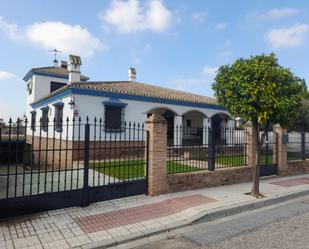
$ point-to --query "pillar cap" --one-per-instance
(156, 118)
(248, 124)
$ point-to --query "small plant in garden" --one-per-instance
(261, 91)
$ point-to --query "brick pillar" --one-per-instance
(250, 137)
(281, 150)
(157, 179)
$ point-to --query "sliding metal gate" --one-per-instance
(71, 163)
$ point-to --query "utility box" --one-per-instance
(285, 138)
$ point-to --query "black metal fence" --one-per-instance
(268, 158)
(297, 146)
(80, 163)
(204, 148)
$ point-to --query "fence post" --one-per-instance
(251, 145)
(85, 201)
(211, 150)
(303, 145)
(157, 157)
(282, 163)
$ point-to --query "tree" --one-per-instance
(261, 91)
(301, 121)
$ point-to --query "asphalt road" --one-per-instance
(281, 226)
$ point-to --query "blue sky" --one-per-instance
(177, 44)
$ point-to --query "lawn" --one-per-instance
(131, 169)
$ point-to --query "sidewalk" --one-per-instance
(110, 223)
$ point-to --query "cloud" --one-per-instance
(208, 74)
(221, 26)
(199, 16)
(288, 37)
(278, 13)
(225, 53)
(210, 71)
(184, 84)
(130, 16)
(10, 29)
(64, 37)
(6, 75)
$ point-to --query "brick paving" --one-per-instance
(291, 182)
(94, 223)
(117, 220)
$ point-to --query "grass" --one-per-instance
(131, 169)
(294, 156)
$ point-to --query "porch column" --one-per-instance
(230, 132)
(230, 123)
(178, 130)
(206, 127)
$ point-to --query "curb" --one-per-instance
(201, 218)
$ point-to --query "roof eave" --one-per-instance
(31, 73)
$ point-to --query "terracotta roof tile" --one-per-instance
(57, 71)
(136, 89)
(147, 90)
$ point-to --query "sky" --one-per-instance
(172, 43)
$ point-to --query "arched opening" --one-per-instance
(193, 122)
(169, 116)
(218, 122)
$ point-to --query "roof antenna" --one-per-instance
(55, 51)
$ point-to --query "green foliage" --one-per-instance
(301, 121)
(259, 89)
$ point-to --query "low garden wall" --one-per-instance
(203, 179)
(297, 167)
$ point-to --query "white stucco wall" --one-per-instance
(92, 107)
(136, 111)
(67, 113)
(40, 89)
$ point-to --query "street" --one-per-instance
(281, 226)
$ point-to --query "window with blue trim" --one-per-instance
(44, 120)
(114, 115)
(33, 120)
(58, 116)
(113, 118)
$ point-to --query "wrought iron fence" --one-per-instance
(73, 161)
(189, 150)
(230, 148)
(203, 148)
(297, 146)
(268, 157)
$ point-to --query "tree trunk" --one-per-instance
(256, 170)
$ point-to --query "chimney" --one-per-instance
(64, 64)
(132, 74)
(55, 62)
(74, 68)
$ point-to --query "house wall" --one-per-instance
(41, 88)
(135, 111)
(67, 113)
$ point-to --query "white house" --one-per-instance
(61, 91)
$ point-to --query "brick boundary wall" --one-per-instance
(203, 179)
(48, 153)
(159, 182)
(63, 156)
(297, 167)
(109, 150)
